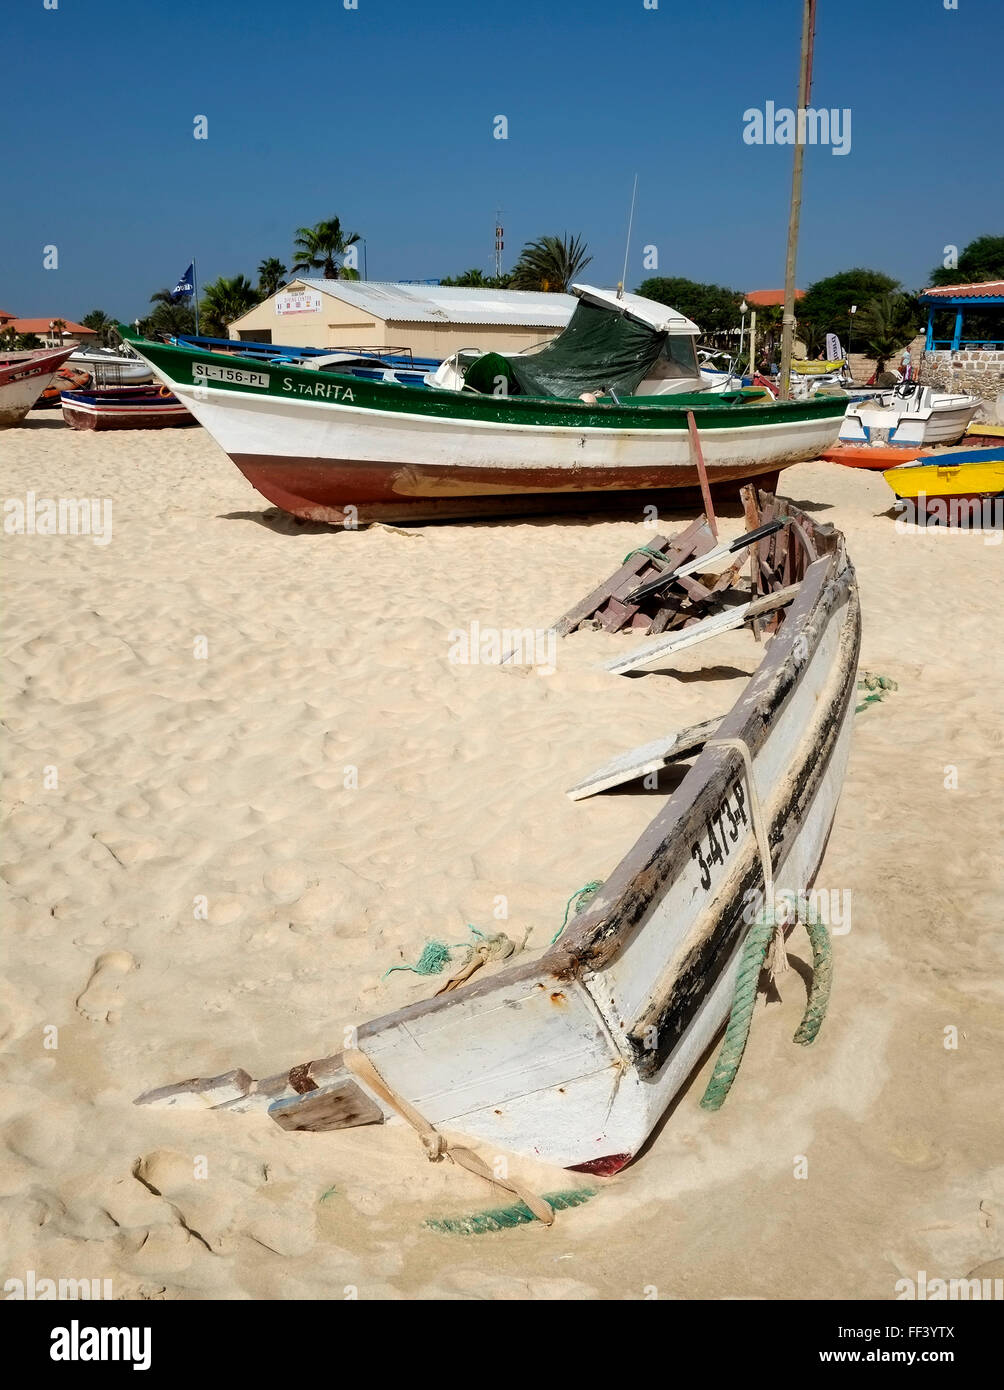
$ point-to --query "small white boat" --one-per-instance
(23, 378)
(110, 368)
(910, 415)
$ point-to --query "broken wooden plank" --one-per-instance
(605, 606)
(646, 758)
(690, 636)
(702, 473)
(688, 567)
(751, 513)
(631, 567)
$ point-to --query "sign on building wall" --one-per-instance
(298, 302)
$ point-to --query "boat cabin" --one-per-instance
(614, 343)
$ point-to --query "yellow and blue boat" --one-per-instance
(965, 474)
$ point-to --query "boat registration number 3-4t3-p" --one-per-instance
(712, 854)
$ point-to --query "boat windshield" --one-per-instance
(677, 359)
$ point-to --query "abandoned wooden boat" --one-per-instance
(574, 1056)
(23, 378)
(908, 416)
(124, 408)
(331, 447)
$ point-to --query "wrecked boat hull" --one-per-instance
(574, 1057)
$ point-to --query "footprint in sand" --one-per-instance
(101, 1001)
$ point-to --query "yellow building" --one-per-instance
(430, 320)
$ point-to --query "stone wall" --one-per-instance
(972, 371)
(862, 365)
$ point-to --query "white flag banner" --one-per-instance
(833, 353)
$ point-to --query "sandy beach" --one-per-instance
(244, 778)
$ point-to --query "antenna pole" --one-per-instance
(804, 90)
(627, 244)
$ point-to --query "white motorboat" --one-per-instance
(909, 415)
(109, 367)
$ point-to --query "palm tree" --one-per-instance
(550, 263)
(888, 323)
(102, 326)
(168, 317)
(225, 300)
(270, 276)
(316, 247)
(471, 279)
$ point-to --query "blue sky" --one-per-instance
(383, 115)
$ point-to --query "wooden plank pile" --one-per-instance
(777, 562)
(683, 601)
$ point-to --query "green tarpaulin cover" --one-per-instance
(599, 349)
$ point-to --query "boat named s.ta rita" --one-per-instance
(528, 432)
(573, 1056)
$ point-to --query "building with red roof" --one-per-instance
(767, 299)
(42, 327)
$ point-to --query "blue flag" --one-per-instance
(185, 286)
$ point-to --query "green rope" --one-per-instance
(744, 999)
(822, 979)
(879, 686)
(505, 1218)
(582, 897)
(656, 555)
(436, 955)
(743, 1002)
(434, 958)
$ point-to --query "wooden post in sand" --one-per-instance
(702, 472)
(804, 91)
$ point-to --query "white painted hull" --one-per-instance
(17, 397)
(316, 458)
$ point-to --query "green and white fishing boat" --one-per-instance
(585, 418)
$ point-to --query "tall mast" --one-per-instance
(627, 243)
(804, 89)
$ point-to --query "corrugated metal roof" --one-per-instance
(449, 303)
(988, 289)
